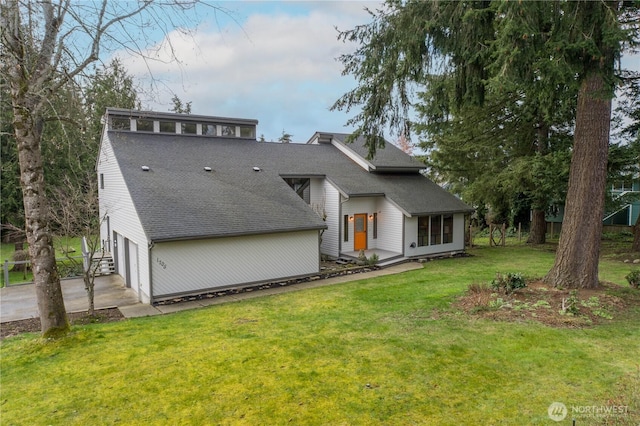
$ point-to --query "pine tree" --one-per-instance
(533, 45)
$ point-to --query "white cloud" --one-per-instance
(279, 67)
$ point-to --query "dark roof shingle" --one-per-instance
(178, 199)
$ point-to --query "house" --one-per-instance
(194, 203)
(627, 191)
(626, 195)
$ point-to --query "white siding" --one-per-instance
(411, 236)
(116, 202)
(390, 226)
(194, 266)
(390, 221)
(357, 205)
(324, 195)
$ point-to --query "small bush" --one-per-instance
(634, 278)
(570, 304)
(479, 288)
(499, 303)
(508, 283)
(373, 259)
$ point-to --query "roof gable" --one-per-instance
(389, 159)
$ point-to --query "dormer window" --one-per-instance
(167, 127)
(228, 130)
(182, 124)
(189, 128)
(144, 125)
(118, 123)
(248, 132)
(209, 129)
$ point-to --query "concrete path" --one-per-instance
(19, 302)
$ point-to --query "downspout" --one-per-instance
(149, 254)
(404, 234)
(340, 230)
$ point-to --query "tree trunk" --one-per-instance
(89, 286)
(576, 264)
(636, 236)
(53, 316)
(538, 231)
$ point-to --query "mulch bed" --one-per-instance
(32, 325)
(541, 303)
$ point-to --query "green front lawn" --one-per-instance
(388, 350)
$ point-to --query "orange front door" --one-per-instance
(360, 232)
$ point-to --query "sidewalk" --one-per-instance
(19, 302)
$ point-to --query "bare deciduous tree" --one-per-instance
(45, 44)
(75, 211)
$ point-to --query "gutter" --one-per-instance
(235, 234)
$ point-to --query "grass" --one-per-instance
(20, 277)
(388, 350)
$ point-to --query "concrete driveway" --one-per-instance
(19, 302)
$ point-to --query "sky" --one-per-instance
(271, 61)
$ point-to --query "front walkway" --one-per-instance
(19, 302)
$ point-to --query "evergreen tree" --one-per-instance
(541, 48)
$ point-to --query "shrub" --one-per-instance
(570, 304)
(479, 288)
(373, 259)
(634, 278)
(508, 283)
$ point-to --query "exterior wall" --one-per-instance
(183, 267)
(390, 226)
(390, 221)
(411, 236)
(116, 203)
(324, 195)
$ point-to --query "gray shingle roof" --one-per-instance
(389, 157)
(178, 199)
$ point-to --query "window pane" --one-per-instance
(189, 128)
(144, 125)
(209, 129)
(346, 227)
(247, 132)
(167, 127)
(423, 230)
(120, 124)
(375, 225)
(228, 130)
(447, 229)
(436, 230)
